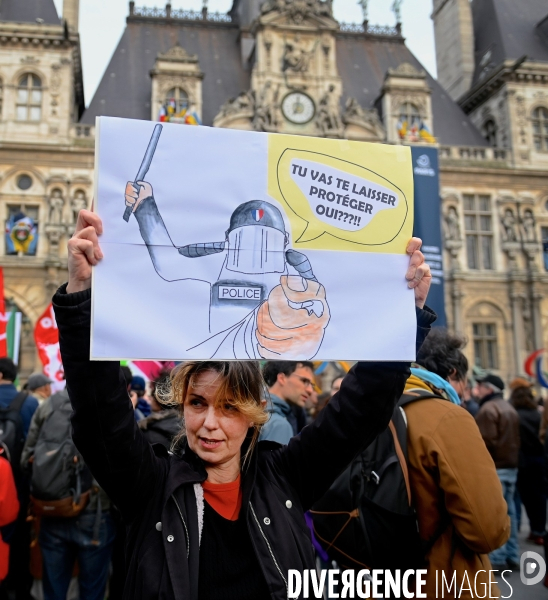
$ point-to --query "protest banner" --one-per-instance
(46, 336)
(230, 244)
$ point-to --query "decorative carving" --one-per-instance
(528, 224)
(178, 54)
(78, 203)
(509, 224)
(267, 41)
(452, 225)
(407, 70)
(419, 101)
(299, 10)
(243, 103)
(56, 204)
(264, 118)
(296, 57)
(355, 114)
(328, 119)
(54, 233)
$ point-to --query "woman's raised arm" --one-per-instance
(104, 427)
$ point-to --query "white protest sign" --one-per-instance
(219, 244)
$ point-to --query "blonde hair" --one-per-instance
(242, 387)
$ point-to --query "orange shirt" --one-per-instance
(224, 498)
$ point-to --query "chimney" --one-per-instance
(71, 13)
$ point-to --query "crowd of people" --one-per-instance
(217, 478)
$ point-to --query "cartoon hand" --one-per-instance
(136, 193)
(291, 323)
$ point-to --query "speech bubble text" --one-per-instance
(340, 199)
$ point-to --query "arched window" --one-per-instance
(176, 99)
(29, 98)
(540, 129)
(409, 114)
(490, 132)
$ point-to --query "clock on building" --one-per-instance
(298, 107)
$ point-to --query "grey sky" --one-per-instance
(102, 23)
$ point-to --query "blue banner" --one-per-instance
(428, 222)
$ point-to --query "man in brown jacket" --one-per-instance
(455, 489)
(498, 422)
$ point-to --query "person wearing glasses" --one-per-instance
(290, 385)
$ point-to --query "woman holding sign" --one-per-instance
(221, 517)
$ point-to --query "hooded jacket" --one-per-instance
(456, 493)
(277, 428)
(156, 492)
(161, 427)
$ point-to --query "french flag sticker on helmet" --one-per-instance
(258, 214)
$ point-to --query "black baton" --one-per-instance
(145, 165)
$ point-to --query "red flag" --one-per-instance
(46, 336)
(3, 318)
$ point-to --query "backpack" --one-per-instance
(12, 439)
(60, 483)
(367, 519)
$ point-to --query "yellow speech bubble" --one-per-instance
(329, 194)
(337, 203)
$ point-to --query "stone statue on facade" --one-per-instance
(529, 226)
(353, 111)
(242, 103)
(328, 120)
(265, 109)
(396, 9)
(78, 203)
(56, 204)
(296, 57)
(452, 225)
(365, 8)
(509, 224)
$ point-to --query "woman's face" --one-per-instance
(214, 434)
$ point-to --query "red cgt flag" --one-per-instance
(46, 336)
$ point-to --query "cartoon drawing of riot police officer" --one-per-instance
(266, 302)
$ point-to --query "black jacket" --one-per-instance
(531, 449)
(154, 490)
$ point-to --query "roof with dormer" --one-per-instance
(29, 11)
(508, 30)
(125, 89)
(363, 61)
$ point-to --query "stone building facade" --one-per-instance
(46, 161)
(289, 66)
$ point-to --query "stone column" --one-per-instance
(517, 328)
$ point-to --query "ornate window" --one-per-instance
(29, 98)
(409, 114)
(177, 99)
(540, 129)
(479, 231)
(490, 132)
(485, 345)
